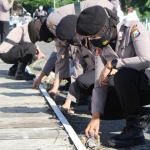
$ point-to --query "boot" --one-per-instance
(21, 74)
(12, 70)
(145, 118)
(131, 135)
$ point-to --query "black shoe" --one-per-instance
(145, 118)
(131, 135)
(12, 70)
(24, 76)
(21, 74)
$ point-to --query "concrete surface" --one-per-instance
(81, 118)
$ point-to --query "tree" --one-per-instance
(142, 6)
(31, 5)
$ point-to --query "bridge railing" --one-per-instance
(146, 22)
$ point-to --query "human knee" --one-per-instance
(32, 47)
(79, 82)
(122, 76)
(27, 58)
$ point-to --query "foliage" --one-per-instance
(142, 6)
(31, 5)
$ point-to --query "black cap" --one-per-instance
(38, 31)
(66, 27)
(91, 20)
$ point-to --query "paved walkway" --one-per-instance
(26, 121)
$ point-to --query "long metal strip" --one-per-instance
(72, 134)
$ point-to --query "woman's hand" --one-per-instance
(93, 126)
(103, 79)
(36, 83)
(52, 92)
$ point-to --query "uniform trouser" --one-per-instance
(85, 82)
(80, 86)
(4, 30)
(133, 90)
(130, 93)
(24, 53)
(113, 109)
(68, 79)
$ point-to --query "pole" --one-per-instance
(54, 4)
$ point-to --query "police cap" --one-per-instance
(91, 20)
(66, 27)
(38, 31)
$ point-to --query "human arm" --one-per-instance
(93, 126)
(62, 63)
(98, 98)
(50, 64)
(38, 80)
(115, 3)
(6, 45)
(7, 5)
(39, 54)
(56, 84)
(139, 47)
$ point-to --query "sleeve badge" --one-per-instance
(52, 26)
(134, 31)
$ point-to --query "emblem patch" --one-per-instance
(135, 32)
(98, 50)
(75, 44)
(49, 39)
(52, 26)
(105, 42)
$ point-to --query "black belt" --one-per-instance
(10, 41)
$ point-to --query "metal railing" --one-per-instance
(146, 22)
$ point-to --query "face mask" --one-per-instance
(102, 42)
(76, 41)
(41, 8)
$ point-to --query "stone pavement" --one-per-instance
(26, 121)
(81, 117)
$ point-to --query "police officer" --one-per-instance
(63, 27)
(5, 6)
(67, 37)
(124, 47)
(40, 13)
(84, 65)
(20, 52)
(84, 68)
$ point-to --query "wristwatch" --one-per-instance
(114, 63)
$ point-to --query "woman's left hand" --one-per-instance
(103, 79)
